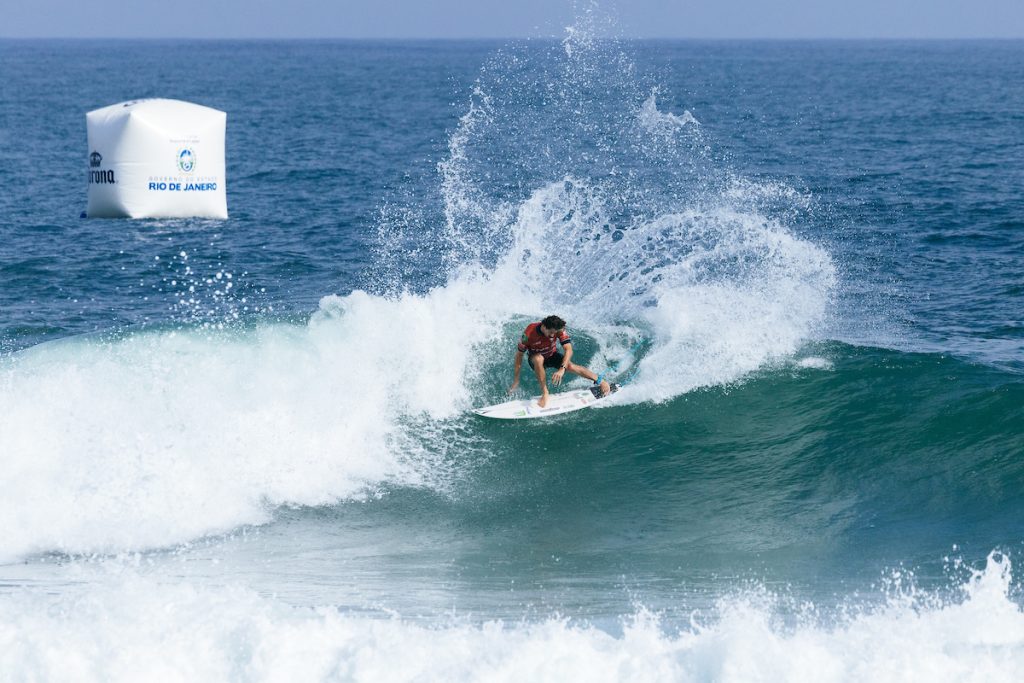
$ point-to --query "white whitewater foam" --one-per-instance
(130, 627)
(166, 436)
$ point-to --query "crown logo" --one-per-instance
(95, 159)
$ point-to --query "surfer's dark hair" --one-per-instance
(553, 322)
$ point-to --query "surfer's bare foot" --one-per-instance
(543, 401)
(605, 388)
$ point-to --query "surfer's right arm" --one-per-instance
(515, 372)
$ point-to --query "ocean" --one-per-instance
(244, 450)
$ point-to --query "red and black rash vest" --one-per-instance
(535, 341)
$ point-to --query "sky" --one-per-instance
(509, 18)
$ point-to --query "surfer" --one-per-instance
(539, 341)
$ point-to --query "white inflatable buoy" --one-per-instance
(156, 159)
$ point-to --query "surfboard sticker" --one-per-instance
(564, 402)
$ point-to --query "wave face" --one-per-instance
(163, 437)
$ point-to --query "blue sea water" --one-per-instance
(243, 449)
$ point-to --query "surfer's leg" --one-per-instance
(589, 374)
(537, 361)
(581, 371)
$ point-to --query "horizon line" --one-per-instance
(528, 38)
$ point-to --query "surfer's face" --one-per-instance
(548, 332)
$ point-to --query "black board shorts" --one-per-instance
(552, 361)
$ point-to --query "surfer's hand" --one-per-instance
(556, 378)
(515, 385)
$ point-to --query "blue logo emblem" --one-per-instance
(186, 160)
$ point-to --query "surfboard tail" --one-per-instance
(596, 390)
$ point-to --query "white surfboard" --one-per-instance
(564, 402)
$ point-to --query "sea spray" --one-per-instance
(568, 190)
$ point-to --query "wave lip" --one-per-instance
(166, 436)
